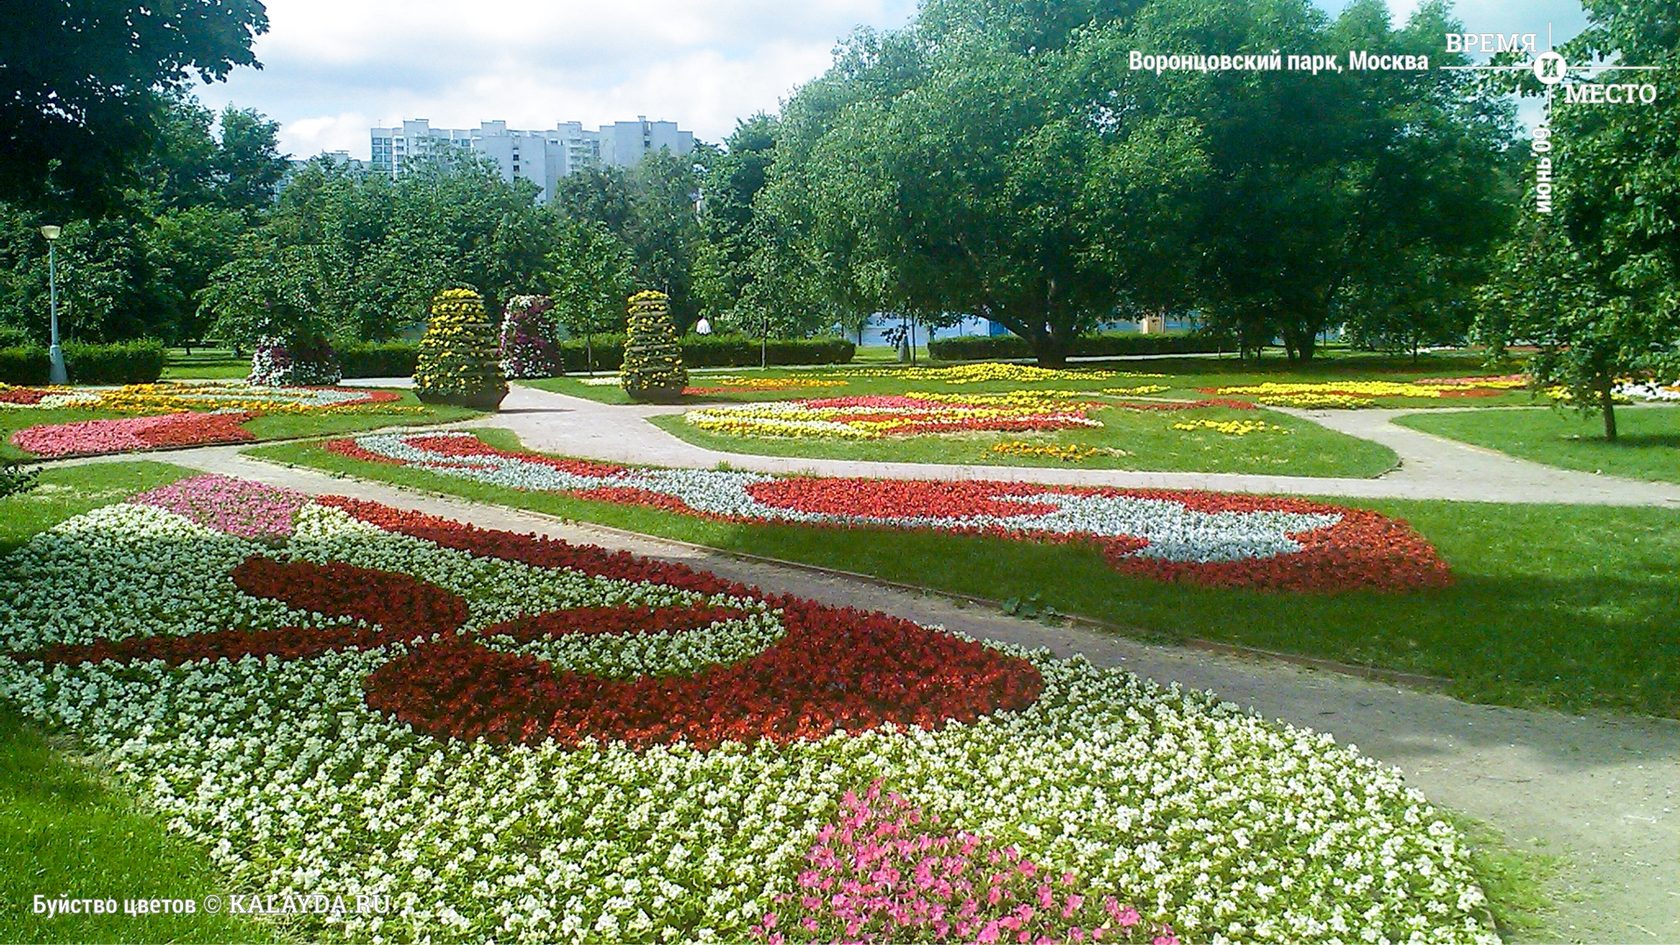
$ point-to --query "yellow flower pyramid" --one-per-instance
(458, 362)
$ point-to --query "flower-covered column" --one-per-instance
(653, 368)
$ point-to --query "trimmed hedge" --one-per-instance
(1105, 345)
(379, 358)
(716, 351)
(126, 362)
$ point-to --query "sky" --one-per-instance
(334, 68)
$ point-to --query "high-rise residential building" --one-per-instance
(625, 143)
(542, 157)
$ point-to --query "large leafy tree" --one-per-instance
(1328, 190)
(962, 166)
(137, 268)
(1596, 283)
(79, 82)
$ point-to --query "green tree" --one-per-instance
(1596, 283)
(78, 102)
(588, 273)
(1325, 187)
(961, 166)
(248, 165)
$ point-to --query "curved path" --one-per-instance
(1431, 467)
(1600, 792)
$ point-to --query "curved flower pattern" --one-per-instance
(913, 414)
(240, 702)
(91, 437)
(1197, 537)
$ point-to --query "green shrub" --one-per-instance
(126, 362)
(653, 365)
(716, 351)
(24, 367)
(379, 358)
(458, 360)
(1105, 345)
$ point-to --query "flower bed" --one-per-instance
(1229, 427)
(213, 395)
(1357, 394)
(735, 384)
(184, 414)
(347, 699)
(1197, 537)
(127, 434)
(913, 414)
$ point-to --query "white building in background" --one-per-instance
(542, 157)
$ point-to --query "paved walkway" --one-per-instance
(1431, 467)
(1600, 792)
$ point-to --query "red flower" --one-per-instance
(833, 668)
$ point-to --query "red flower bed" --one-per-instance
(90, 437)
(833, 668)
(24, 396)
(403, 607)
(909, 497)
(1363, 550)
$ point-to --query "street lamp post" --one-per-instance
(55, 354)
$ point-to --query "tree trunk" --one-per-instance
(1607, 403)
(1050, 351)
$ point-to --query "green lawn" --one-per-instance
(1647, 445)
(1134, 439)
(1563, 606)
(276, 426)
(204, 364)
(64, 832)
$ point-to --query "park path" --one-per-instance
(1600, 792)
(1431, 467)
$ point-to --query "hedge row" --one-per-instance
(1106, 345)
(379, 358)
(396, 358)
(128, 362)
(715, 351)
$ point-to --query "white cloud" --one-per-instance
(334, 68)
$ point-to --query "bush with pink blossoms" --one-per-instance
(886, 871)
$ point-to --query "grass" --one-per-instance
(204, 364)
(1134, 439)
(1533, 620)
(276, 426)
(64, 831)
(1647, 447)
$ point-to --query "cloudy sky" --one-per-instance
(334, 68)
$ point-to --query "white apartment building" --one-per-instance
(542, 157)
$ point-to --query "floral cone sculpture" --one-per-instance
(653, 368)
(458, 361)
(528, 348)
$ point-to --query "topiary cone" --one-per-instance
(458, 360)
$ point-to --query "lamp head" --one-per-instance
(50, 232)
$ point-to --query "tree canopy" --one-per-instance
(80, 83)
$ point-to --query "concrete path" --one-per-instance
(1431, 467)
(1600, 792)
